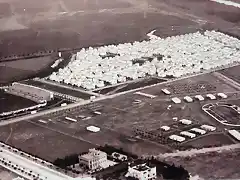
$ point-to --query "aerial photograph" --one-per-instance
(119, 89)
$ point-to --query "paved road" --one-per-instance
(43, 171)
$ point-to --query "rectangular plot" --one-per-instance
(42, 142)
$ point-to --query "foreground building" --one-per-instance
(142, 171)
(94, 159)
(30, 92)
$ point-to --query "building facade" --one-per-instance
(142, 172)
(30, 92)
(94, 159)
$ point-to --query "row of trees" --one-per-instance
(170, 171)
(66, 161)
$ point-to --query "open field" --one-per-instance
(22, 69)
(42, 142)
(212, 165)
(215, 139)
(9, 74)
(10, 102)
(232, 73)
(228, 114)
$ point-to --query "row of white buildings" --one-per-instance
(199, 97)
(177, 56)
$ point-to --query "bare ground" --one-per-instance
(211, 165)
(42, 142)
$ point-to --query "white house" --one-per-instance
(94, 159)
(142, 172)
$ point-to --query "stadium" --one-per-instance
(226, 114)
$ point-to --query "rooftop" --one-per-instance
(141, 167)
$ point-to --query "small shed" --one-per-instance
(222, 95)
(188, 134)
(166, 91)
(199, 97)
(93, 129)
(185, 121)
(208, 127)
(211, 96)
(188, 99)
(176, 100)
(165, 128)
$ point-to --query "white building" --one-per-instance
(18, 178)
(177, 138)
(197, 130)
(188, 99)
(199, 97)
(93, 129)
(142, 172)
(165, 128)
(166, 91)
(188, 134)
(176, 100)
(208, 127)
(211, 96)
(94, 159)
(222, 95)
(185, 121)
(235, 134)
(30, 92)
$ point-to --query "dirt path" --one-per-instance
(194, 152)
